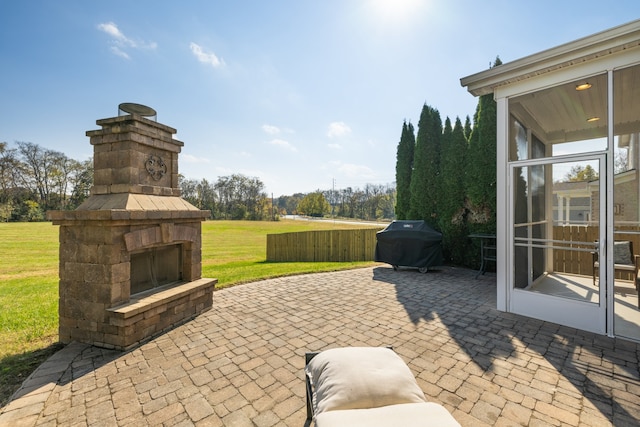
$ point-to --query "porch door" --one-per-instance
(554, 239)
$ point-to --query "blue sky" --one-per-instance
(298, 93)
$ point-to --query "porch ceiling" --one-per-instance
(561, 114)
(555, 110)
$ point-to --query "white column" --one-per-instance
(560, 210)
(504, 238)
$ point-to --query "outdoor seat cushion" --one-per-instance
(622, 253)
(403, 415)
(360, 378)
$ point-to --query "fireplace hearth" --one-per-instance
(130, 255)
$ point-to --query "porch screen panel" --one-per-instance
(538, 219)
(551, 258)
(521, 216)
(530, 224)
(626, 200)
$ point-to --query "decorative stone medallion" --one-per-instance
(156, 167)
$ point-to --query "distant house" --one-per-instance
(572, 106)
(576, 202)
(571, 202)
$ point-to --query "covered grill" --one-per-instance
(409, 244)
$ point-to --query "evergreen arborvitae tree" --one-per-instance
(467, 128)
(446, 179)
(473, 169)
(481, 173)
(404, 167)
(452, 195)
(425, 185)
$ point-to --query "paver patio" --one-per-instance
(241, 364)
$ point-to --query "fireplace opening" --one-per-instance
(156, 267)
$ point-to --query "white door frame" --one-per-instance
(574, 313)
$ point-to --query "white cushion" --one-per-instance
(403, 415)
(360, 378)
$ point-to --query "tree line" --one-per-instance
(229, 197)
(241, 197)
(373, 202)
(446, 176)
(34, 179)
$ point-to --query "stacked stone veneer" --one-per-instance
(134, 206)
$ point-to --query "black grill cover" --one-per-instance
(409, 244)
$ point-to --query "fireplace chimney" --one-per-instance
(130, 255)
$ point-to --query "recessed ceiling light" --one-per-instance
(583, 86)
(593, 119)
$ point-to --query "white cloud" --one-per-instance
(335, 146)
(206, 57)
(113, 30)
(276, 130)
(356, 171)
(119, 52)
(282, 144)
(270, 129)
(188, 158)
(338, 129)
(121, 42)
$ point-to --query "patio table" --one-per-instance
(487, 250)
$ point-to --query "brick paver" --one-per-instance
(241, 364)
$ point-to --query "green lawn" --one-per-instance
(28, 286)
(234, 252)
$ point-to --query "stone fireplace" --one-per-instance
(130, 255)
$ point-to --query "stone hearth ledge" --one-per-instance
(160, 297)
(149, 314)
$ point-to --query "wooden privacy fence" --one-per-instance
(323, 246)
(574, 262)
(568, 261)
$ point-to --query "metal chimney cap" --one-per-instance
(132, 108)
